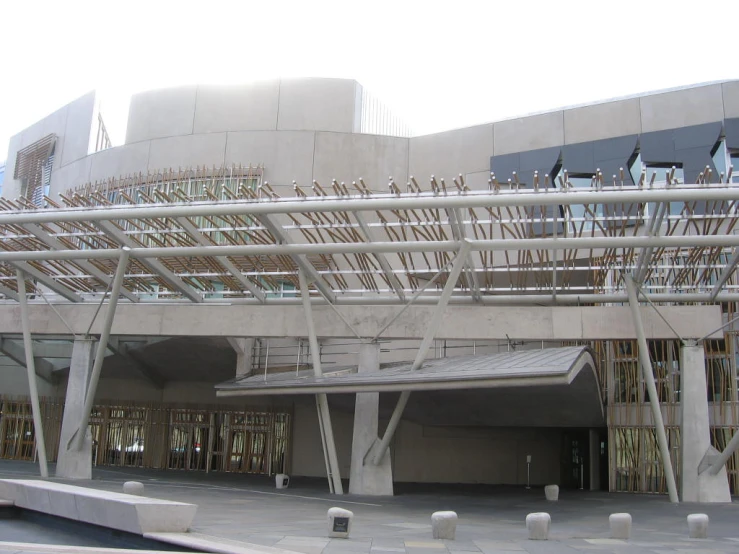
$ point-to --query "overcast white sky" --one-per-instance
(439, 65)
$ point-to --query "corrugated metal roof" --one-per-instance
(555, 366)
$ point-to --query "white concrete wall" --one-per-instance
(161, 113)
(72, 124)
(680, 108)
(285, 105)
(730, 94)
(307, 129)
(446, 155)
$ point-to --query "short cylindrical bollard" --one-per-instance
(282, 480)
(339, 523)
(620, 526)
(551, 492)
(698, 526)
(133, 487)
(444, 525)
(538, 526)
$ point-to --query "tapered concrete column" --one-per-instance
(71, 462)
(698, 484)
(244, 350)
(366, 477)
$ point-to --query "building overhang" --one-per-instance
(548, 387)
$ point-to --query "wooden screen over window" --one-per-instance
(30, 164)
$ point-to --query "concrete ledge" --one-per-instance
(125, 512)
(6, 503)
(210, 543)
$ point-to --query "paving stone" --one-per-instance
(247, 508)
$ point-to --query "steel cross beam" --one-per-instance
(428, 337)
(31, 373)
(648, 375)
(300, 260)
(725, 274)
(324, 415)
(155, 265)
(44, 368)
(46, 280)
(381, 258)
(56, 244)
(223, 260)
(8, 293)
(722, 458)
(473, 199)
(301, 250)
(652, 230)
(78, 438)
(459, 233)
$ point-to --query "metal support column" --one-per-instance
(31, 371)
(77, 440)
(646, 366)
(446, 294)
(324, 416)
(722, 458)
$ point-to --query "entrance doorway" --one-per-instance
(579, 447)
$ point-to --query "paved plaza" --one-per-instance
(249, 509)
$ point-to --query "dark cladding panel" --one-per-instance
(706, 135)
(609, 168)
(694, 161)
(579, 158)
(689, 147)
(540, 160)
(504, 166)
(543, 160)
(524, 164)
(618, 147)
(731, 128)
(657, 147)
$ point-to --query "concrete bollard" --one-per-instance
(444, 525)
(551, 492)
(620, 526)
(282, 480)
(538, 526)
(133, 487)
(698, 526)
(339, 523)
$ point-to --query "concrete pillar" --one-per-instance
(365, 477)
(594, 445)
(698, 485)
(73, 463)
(244, 352)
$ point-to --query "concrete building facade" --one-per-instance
(424, 270)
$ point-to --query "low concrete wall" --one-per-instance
(125, 512)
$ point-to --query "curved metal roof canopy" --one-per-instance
(553, 387)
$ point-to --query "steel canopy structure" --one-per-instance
(244, 243)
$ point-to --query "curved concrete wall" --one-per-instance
(307, 129)
(284, 105)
